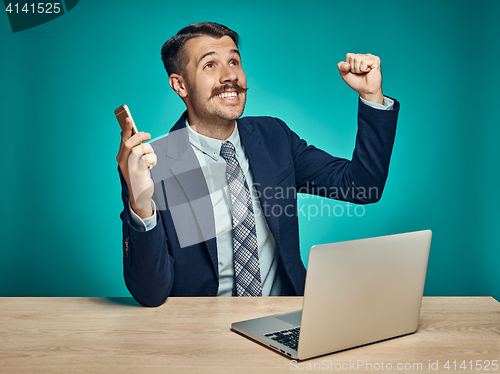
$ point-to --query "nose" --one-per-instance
(228, 74)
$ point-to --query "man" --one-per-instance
(217, 215)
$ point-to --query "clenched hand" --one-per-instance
(362, 73)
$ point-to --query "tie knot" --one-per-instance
(227, 150)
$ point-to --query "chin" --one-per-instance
(233, 114)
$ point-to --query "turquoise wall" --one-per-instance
(60, 82)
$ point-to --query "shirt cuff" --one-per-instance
(388, 104)
(145, 224)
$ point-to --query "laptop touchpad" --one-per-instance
(292, 318)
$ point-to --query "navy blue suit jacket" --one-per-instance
(179, 256)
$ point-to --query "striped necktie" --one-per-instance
(247, 280)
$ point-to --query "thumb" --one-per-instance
(127, 129)
(344, 68)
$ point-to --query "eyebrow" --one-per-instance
(234, 51)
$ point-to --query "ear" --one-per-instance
(178, 84)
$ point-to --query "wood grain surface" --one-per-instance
(192, 335)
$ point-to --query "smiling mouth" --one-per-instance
(228, 91)
(228, 95)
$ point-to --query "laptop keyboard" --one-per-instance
(290, 337)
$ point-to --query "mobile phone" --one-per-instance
(121, 114)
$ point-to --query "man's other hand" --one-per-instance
(135, 159)
(362, 72)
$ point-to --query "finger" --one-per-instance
(344, 68)
(137, 139)
(142, 149)
(145, 156)
(137, 158)
(371, 61)
(364, 66)
(127, 147)
(125, 134)
(127, 131)
(356, 61)
(123, 152)
(148, 148)
(155, 159)
(362, 63)
(350, 60)
(148, 155)
(150, 159)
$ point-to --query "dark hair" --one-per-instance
(172, 52)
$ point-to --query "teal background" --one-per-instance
(60, 232)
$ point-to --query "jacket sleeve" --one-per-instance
(147, 263)
(360, 180)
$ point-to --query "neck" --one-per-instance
(220, 130)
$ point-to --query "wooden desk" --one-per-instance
(192, 335)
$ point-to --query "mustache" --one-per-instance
(232, 86)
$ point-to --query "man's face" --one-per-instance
(215, 81)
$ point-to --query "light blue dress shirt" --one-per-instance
(214, 169)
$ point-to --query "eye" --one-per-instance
(209, 65)
(234, 63)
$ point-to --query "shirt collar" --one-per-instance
(211, 146)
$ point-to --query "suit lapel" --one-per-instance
(185, 168)
(261, 165)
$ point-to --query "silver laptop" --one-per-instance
(356, 292)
